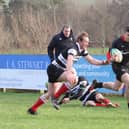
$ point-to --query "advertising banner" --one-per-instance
(23, 71)
(29, 72)
(102, 73)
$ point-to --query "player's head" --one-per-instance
(67, 30)
(83, 40)
(126, 34)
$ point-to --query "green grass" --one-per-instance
(13, 114)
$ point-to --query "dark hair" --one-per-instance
(127, 28)
(66, 26)
(80, 37)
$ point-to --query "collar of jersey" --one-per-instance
(78, 45)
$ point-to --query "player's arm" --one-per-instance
(75, 95)
(51, 48)
(94, 61)
(69, 64)
(70, 58)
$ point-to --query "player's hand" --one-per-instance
(66, 100)
(113, 58)
(106, 62)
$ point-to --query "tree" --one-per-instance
(119, 10)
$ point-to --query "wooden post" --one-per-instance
(4, 90)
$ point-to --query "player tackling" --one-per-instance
(61, 70)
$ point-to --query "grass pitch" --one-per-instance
(13, 114)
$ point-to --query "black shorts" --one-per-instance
(53, 73)
(119, 70)
(92, 97)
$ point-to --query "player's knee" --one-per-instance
(99, 97)
(72, 80)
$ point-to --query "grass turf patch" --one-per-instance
(13, 107)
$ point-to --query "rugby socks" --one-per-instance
(98, 85)
(106, 101)
(37, 104)
(61, 90)
(100, 105)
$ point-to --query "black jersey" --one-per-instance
(75, 51)
(80, 92)
(123, 46)
(123, 67)
(58, 43)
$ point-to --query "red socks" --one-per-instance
(106, 101)
(104, 104)
(61, 90)
(38, 103)
(101, 105)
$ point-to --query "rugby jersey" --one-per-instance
(81, 92)
(123, 46)
(75, 51)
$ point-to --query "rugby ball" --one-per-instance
(116, 55)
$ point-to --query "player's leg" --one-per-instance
(101, 99)
(127, 95)
(117, 85)
(105, 101)
(41, 100)
(51, 92)
(125, 79)
(109, 85)
(90, 103)
(61, 99)
(95, 104)
(69, 79)
(57, 85)
(53, 74)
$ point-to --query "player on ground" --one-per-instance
(87, 95)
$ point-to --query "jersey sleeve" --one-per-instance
(50, 49)
(84, 53)
(72, 52)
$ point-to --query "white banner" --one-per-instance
(23, 79)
